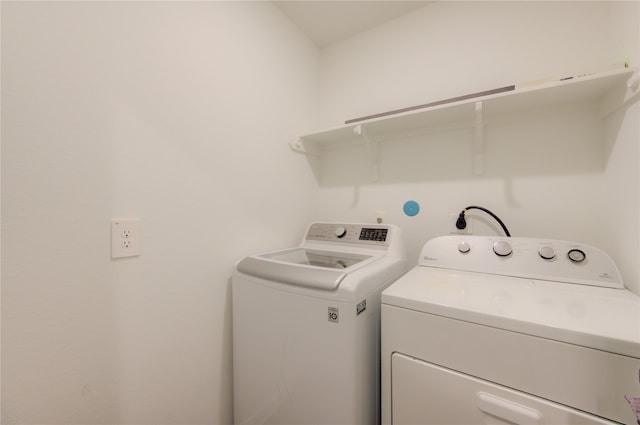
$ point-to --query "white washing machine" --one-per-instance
(489, 330)
(306, 325)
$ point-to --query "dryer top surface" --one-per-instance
(602, 318)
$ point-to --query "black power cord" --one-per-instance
(461, 223)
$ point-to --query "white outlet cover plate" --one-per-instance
(126, 237)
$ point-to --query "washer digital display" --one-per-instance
(369, 234)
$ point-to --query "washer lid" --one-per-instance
(318, 258)
(602, 318)
(304, 267)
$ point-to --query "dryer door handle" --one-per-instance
(507, 410)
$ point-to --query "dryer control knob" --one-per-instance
(341, 232)
(547, 253)
(464, 247)
(576, 256)
(502, 248)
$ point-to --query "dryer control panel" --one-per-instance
(543, 259)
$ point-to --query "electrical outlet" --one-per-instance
(125, 237)
(453, 217)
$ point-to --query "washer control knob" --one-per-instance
(576, 255)
(464, 247)
(547, 253)
(502, 248)
(341, 232)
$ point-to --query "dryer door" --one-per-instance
(423, 393)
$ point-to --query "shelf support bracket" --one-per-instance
(621, 97)
(296, 144)
(478, 141)
(634, 82)
(372, 148)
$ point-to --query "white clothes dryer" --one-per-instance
(491, 330)
(306, 325)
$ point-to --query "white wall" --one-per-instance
(174, 112)
(546, 173)
(622, 155)
(178, 113)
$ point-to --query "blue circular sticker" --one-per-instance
(411, 208)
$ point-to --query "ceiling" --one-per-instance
(329, 21)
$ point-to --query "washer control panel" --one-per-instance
(368, 234)
(543, 259)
